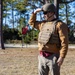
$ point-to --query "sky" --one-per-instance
(38, 17)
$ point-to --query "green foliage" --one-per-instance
(10, 34)
(68, 18)
(22, 24)
(19, 9)
(31, 35)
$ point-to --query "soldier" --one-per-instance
(52, 40)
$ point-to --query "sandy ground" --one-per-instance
(24, 61)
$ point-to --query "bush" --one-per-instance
(11, 34)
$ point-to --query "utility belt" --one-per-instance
(45, 53)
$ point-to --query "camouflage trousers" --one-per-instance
(48, 65)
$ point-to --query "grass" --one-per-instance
(24, 61)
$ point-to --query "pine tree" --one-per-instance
(1, 33)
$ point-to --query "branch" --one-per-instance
(66, 1)
(42, 2)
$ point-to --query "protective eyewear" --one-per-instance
(45, 13)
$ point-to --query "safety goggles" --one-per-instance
(45, 13)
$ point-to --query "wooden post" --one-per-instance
(1, 34)
(56, 3)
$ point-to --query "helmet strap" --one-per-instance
(50, 16)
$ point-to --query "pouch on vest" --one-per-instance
(46, 32)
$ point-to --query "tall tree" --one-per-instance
(1, 34)
(12, 3)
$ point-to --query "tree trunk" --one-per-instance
(12, 14)
(56, 3)
(66, 15)
(1, 34)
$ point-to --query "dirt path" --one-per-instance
(22, 61)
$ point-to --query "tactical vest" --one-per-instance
(47, 35)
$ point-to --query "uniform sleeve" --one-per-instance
(63, 34)
(33, 22)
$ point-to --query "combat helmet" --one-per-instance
(49, 7)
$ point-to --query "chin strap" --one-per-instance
(50, 16)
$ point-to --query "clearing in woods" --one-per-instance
(24, 61)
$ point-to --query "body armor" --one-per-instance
(47, 34)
